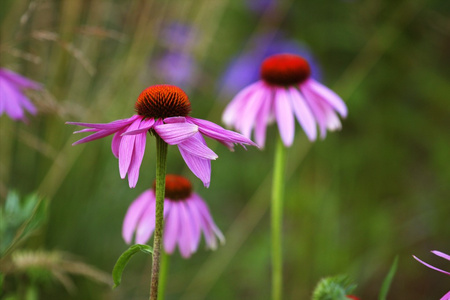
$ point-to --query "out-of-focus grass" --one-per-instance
(354, 201)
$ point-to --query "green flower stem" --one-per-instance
(276, 219)
(164, 269)
(161, 156)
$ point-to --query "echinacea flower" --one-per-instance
(13, 100)
(285, 89)
(244, 68)
(443, 255)
(163, 110)
(186, 216)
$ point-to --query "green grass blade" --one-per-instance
(388, 280)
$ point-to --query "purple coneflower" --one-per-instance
(286, 89)
(186, 216)
(13, 100)
(162, 110)
(443, 255)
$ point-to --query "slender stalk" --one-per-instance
(163, 270)
(161, 155)
(276, 219)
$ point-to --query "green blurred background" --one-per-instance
(377, 189)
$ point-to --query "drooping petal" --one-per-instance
(116, 125)
(134, 214)
(98, 135)
(195, 224)
(126, 149)
(446, 296)
(303, 113)
(196, 146)
(441, 254)
(115, 144)
(185, 237)
(210, 230)
(9, 96)
(145, 126)
(176, 133)
(219, 133)
(430, 266)
(199, 166)
(146, 225)
(327, 95)
(233, 110)
(171, 229)
(262, 118)
(250, 111)
(19, 80)
(317, 108)
(136, 160)
(285, 117)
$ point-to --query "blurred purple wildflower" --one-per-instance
(284, 90)
(174, 61)
(245, 68)
(13, 100)
(162, 110)
(186, 216)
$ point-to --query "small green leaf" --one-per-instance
(123, 261)
(388, 280)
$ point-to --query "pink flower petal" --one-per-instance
(196, 146)
(233, 110)
(145, 126)
(146, 225)
(19, 80)
(134, 214)
(199, 166)
(185, 235)
(327, 95)
(116, 125)
(219, 133)
(303, 113)
(172, 228)
(284, 115)
(126, 149)
(176, 133)
(136, 160)
(441, 254)
(430, 266)
(262, 118)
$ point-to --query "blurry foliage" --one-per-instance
(377, 189)
(23, 273)
(333, 288)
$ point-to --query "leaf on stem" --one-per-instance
(123, 261)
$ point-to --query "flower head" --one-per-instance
(186, 216)
(162, 110)
(245, 68)
(285, 89)
(13, 100)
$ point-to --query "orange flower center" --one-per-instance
(163, 101)
(177, 187)
(285, 70)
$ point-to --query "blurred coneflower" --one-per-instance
(162, 110)
(13, 100)
(284, 90)
(244, 69)
(186, 217)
